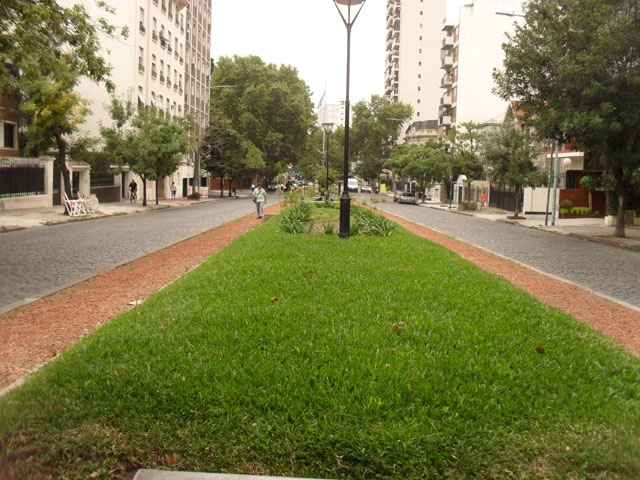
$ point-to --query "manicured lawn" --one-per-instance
(280, 356)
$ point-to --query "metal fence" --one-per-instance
(20, 179)
(504, 198)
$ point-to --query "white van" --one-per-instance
(352, 184)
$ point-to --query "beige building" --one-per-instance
(165, 61)
(412, 72)
(471, 49)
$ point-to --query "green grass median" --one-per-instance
(310, 356)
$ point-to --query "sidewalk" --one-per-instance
(592, 229)
(38, 217)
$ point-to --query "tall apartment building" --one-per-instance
(471, 49)
(413, 56)
(165, 61)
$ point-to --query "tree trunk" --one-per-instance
(230, 183)
(619, 230)
(144, 191)
(590, 201)
(62, 160)
(221, 185)
(157, 191)
(517, 212)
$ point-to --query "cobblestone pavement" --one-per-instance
(608, 270)
(38, 261)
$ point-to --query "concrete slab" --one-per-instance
(164, 475)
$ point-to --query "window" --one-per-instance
(140, 59)
(420, 37)
(419, 50)
(419, 64)
(419, 88)
(420, 12)
(418, 114)
(8, 138)
(419, 75)
(142, 29)
(418, 100)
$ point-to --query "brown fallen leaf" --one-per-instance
(173, 458)
(540, 349)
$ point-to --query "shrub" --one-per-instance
(370, 223)
(329, 228)
(467, 206)
(564, 210)
(566, 203)
(295, 218)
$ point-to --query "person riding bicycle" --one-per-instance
(133, 191)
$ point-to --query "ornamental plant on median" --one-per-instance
(310, 356)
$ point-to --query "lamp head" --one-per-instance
(327, 126)
(349, 2)
(566, 162)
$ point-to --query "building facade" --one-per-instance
(471, 49)
(165, 61)
(331, 113)
(412, 63)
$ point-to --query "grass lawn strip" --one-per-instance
(309, 356)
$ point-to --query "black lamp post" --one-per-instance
(327, 129)
(345, 200)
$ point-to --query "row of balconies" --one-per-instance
(447, 61)
(447, 42)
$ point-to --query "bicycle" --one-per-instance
(133, 197)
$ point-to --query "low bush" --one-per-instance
(370, 223)
(566, 203)
(296, 218)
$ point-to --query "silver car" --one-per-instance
(408, 197)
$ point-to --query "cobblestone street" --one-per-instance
(607, 270)
(38, 261)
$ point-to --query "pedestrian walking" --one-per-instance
(260, 198)
(174, 190)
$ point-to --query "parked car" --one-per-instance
(272, 187)
(408, 197)
(352, 184)
(366, 188)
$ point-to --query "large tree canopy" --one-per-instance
(376, 128)
(268, 105)
(575, 67)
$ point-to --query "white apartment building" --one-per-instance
(471, 49)
(413, 56)
(331, 113)
(164, 62)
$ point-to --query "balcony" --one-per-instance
(163, 41)
(142, 29)
(446, 100)
(175, 87)
(446, 81)
(140, 67)
(154, 36)
(161, 78)
(447, 42)
(181, 60)
(169, 49)
(447, 61)
(175, 54)
(168, 82)
(180, 90)
(154, 73)
(445, 120)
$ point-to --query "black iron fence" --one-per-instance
(20, 179)
(504, 198)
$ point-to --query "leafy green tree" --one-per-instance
(225, 153)
(269, 106)
(376, 128)
(397, 161)
(467, 143)
(509, 155)
(426, 163)
(575, 67)
(44, 50)
(146, 139)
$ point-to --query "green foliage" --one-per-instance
(575, 67)
(376, 128)
(146, 139)
(269, 106)
(426, 163)
(467, 206)
(591, 182)
(280, 353)
(368, 222)
(329, 228)
(296, 218)
(566, 203)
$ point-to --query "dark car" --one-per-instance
(408, 197)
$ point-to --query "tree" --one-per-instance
(44, 50)
(426, 163)
(225, 153)
(467, 161)
(146, 139)
(376, 128)
(509, 155)
(575, 67)
(270, 106)
(397, 161)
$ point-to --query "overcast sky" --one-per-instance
(310, 36)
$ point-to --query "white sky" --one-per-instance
(310, 36)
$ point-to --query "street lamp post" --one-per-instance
(327, 126)
(451, 146)
(345, 200)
